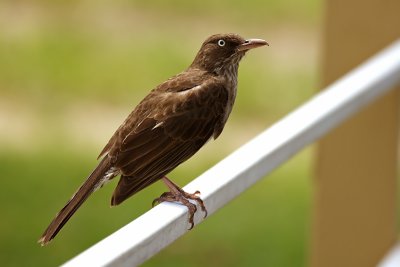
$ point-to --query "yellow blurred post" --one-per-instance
(355, 193)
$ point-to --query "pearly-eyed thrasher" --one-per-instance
(166, 128)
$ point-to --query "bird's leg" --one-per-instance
(176, 194)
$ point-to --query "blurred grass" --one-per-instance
(268, 223)
(70, 71)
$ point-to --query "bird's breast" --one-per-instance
(230, 76)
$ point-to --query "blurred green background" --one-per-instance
(71, 71)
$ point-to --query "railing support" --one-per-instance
(355, 194)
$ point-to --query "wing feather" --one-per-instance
(175, 128)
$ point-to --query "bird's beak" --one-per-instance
(252, 43)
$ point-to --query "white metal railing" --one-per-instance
(156, 229)
(392, 259)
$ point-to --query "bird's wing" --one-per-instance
(179, 124)
(159, 103)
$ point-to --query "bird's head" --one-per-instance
(220, 51)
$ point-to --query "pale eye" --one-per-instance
(221, 42)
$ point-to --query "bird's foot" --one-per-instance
(178, 195)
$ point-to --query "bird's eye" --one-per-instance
(221, 42)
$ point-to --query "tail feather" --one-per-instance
(93, 182)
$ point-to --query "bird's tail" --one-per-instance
(94, 181)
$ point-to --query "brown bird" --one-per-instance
(167, 127)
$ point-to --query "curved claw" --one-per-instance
(166, 196)
(205, 213)
(155, 201)
(192, 210)
(178, 195)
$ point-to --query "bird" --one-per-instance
(166, 128)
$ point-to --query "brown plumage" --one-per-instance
(167, 127)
